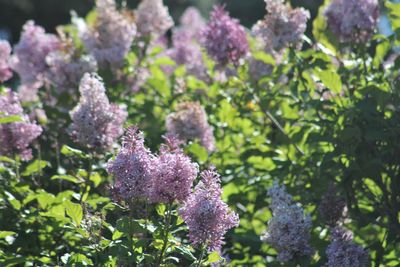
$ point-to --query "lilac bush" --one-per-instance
(5, 70)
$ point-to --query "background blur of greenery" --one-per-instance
(50, 13)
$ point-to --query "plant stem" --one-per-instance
(201, 256)
(166, 233)
(16, 161)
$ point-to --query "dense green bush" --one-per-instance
(324, 118)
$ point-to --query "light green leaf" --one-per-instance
(10, 119)
(68, 178)
(330, 79)
(74, 211)
(214, 257)
(72, 152)
(35, 167)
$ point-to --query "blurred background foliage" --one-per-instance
(50, 13)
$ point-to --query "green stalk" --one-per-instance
(166, 233)
(203, 249)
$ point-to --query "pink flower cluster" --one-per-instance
(352, 21)
(15, 137)
(66, 68)
(343, 252)
(189, 122)
(206, 215)
(289, 229)
(224, 38)
(96, 123)
(29, 58)
(152, 18)
(5, 70)
(132, 168)
(185, 49)
(174, 174)
(282, 27)
(140, 175)
(109, 40)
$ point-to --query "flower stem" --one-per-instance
(166, 233)
(16, 161)
(201, 256)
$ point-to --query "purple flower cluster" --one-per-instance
(174, 174)
(5, 70)
(109, 40)
(343, 252)
(185, 48)
(29, 58)
(352, 21)
(206, 215)
(333, 209)
(189, 122)
(282, 27)
(15, 137)
(96, 122)
(289, 229)
(152, 18)
(66, 69)
(224, 38)
(132, 168)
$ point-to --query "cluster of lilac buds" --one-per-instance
(109, 40)
(5, 70)
(96, 122)
(206, 215)
(15, 137)
(189, 122)
(343, 252)
(224, 38)
(352, 21)
(152, 18)
(288, 229)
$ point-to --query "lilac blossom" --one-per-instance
(282, 27)
(191, 24)
(152, 18)
(109, 40)
(352, 21)
(288, 229)
(224, 38)
(189, 122)
(206, 215)
(174, 173)
(15, 137)
(5, 70)
(343, 252)
(132, 168)
(66, 68)
(96, 122)
(29, 58)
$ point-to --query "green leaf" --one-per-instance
(264, 57)
(35, 167)
(214, 257)
(74, 211)
(68, 178)
(184, 251)
(4, 234)
(330, 79)
(72, 152)
(10, 119)
(394, 14)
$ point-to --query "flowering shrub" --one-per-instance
(128, 141)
